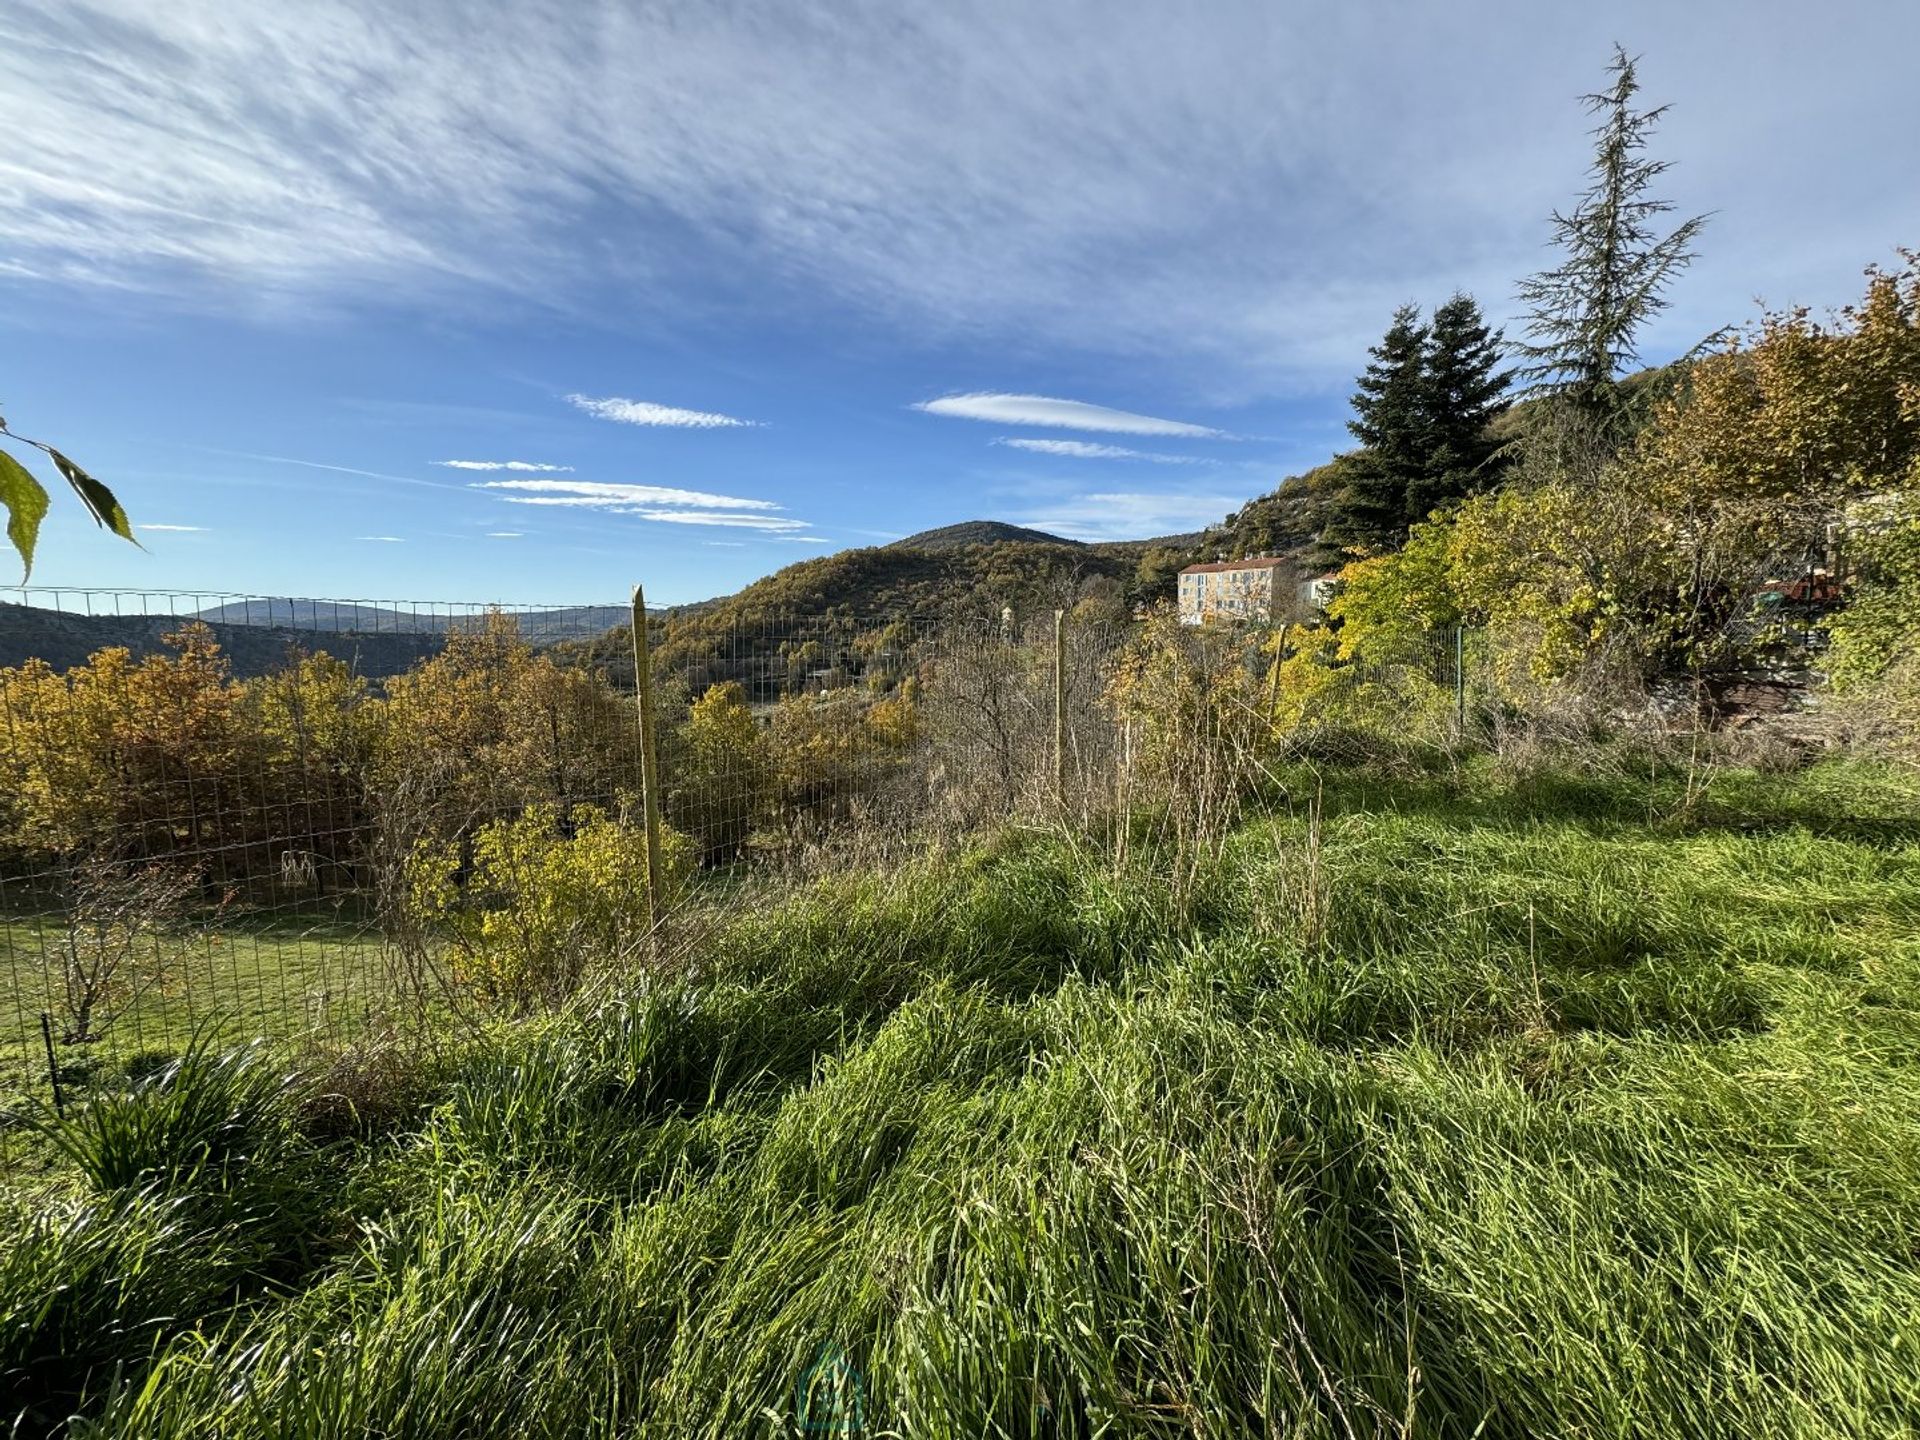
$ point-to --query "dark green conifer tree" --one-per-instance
(1463, 390)
(1390, 420)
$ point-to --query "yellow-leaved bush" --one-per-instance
(542, 899)
(1324, 681)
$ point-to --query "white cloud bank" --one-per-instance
(523, 465)
(1240, 186)
(178, 529)
(1046, 411)
(1088, 450)
(645, 412)
(384, 539)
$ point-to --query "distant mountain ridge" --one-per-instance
(258, 634)
(64, 640)
(350, 617)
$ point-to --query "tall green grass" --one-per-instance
(1432, 1107)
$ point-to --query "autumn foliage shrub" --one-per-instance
(539, 899)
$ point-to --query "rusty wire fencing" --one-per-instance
(315, 820)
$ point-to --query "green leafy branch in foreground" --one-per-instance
(27, 503)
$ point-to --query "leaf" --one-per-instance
(96, 497)
(26, 502)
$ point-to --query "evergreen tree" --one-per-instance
(1589, 310)
(1390, 420)
(1463, 392)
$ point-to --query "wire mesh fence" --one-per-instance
(313, 819)
(212, 802)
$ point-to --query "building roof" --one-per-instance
(1264, 562)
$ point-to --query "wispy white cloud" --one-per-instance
(1088, 450)
(1131, 515)
(505, 465)
(385, 539)
(606, 494)
(1046, 411)
(180, 529)
(662, 504)
(340, 469)
(505, 534)
(645, 412)
(727, 519)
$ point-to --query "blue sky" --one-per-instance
(265, 268)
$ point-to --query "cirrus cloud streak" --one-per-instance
(646, 412)
(524, 465)
(662, 504)
(605, 494)
(1051, 413)
(1088, 450)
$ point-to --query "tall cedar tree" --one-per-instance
(1588, 311)
(1391, 421)
(1464, 391)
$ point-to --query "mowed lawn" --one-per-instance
(284, 976)
(1444, 1104)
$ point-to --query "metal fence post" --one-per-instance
(1460, 681)
(1060, 705)
(53, 1064)
(649, 763)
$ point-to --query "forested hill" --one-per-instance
(837, 612)
(978, 532)
(864, 589)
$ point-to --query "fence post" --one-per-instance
(1460, 681)
(649, 763)
(1060, 705)
(53, 1065)
(1273, 679)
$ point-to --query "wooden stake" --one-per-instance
(1273, 680)
(1060, 705)
(649, 762)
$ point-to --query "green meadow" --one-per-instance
(1441, 1104)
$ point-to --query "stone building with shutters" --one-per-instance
(1260, 590)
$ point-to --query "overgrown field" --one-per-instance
(1433, 1106)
